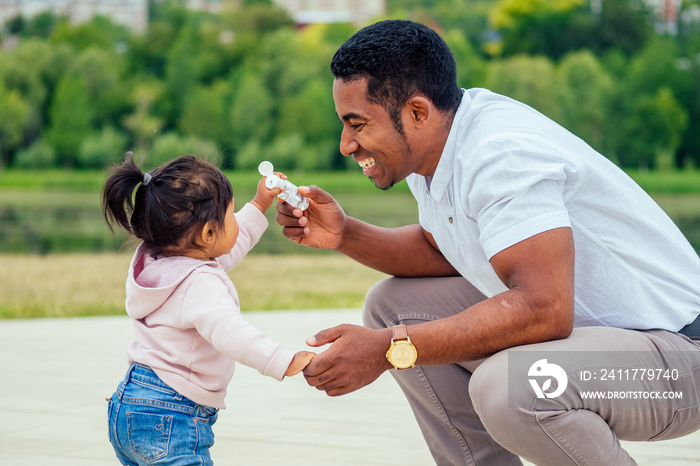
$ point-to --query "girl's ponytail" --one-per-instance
(117, 195)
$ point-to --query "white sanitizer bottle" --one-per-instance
(290, 195)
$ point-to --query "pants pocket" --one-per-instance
(685, 421)
(149, 434)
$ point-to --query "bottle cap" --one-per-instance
(272, 181)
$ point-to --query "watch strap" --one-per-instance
(399, 332)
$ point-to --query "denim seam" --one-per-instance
(160, 404)
(153, 386)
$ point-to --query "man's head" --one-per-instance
(399, 59)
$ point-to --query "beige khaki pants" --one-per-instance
(489, 413)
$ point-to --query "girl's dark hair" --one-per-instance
(399, 58)
(167, 212)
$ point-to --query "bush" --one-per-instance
(39, 155)
(102, 148)
(172, 145)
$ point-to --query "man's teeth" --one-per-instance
(366, 163)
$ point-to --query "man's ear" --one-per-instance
(420, 110)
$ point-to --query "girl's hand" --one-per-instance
(300, 361)
(264, 198)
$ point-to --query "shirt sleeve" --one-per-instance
(516, 194)
(251, 225)
(210, 309)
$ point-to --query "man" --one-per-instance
(529, 243)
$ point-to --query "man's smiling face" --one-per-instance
(369, 135)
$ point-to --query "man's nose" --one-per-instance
(348, 145)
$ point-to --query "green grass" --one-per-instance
(350, 181)
(71, 285)
(668, 182)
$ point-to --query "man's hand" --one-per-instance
(355, 359)
(320, 226)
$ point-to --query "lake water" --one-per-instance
(42, 223)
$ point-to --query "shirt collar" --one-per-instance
(445, 168)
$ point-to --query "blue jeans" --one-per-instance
(150, 423)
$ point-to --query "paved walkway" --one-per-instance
(55, 374)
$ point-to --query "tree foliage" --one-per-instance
(247, 84)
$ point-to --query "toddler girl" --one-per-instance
(188, 326)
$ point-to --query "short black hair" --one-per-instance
(399, 58)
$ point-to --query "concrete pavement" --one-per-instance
(56, 373)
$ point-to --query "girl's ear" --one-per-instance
(207, 235)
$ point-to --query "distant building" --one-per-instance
(356, 12)
(666, 15)
(130, 13)
(212, 6)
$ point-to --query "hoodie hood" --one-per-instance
(152, 280)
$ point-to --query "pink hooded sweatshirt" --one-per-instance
(187, 319)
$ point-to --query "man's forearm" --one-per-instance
(402, 251)
(501, 322)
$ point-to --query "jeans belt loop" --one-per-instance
(127, 377)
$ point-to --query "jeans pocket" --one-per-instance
(149, 434)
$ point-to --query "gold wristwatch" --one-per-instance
(402, 354)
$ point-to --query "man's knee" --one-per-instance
(378, 309)
(501, 407)
(414, 300)
(488, 387)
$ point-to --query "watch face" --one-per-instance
(402, 354)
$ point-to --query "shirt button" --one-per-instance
(450, 219)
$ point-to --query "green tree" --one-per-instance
(309, 115)
(71, 119)
(40, 25)
(13, 116)
(259, 18)
(654, 68)
(100, 70)
(621, 25)
(584, 93)
(556, 27)
(142, 123)
(20, 70)
(537, 27)
(654, 131)
(102, 148)
(689, 151)
(172, 145)
(527, 79)
(40, 155)
(250, 116)
(182, 72)
(205, 114)
(99, 32)
(471, 68)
